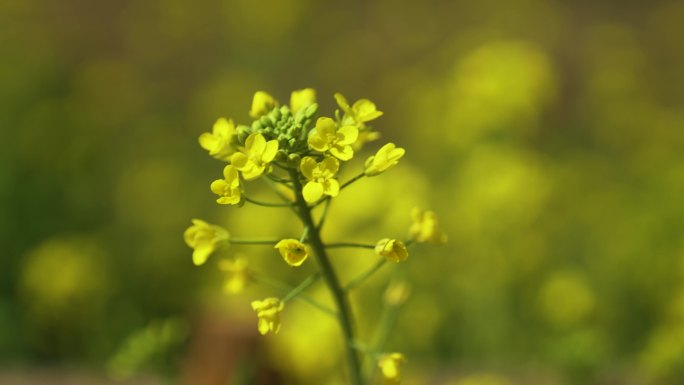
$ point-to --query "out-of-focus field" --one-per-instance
(547, 135)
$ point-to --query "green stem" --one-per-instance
(300, 296)
(324, 215)
(361, 278)
(267, 204)
(302, 286)
(349, 244)
(333, 283)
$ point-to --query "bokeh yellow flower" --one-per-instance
(237, 272)
(390, 367)
(228, 189)
(292, 251)
(204, 238)
(392, 249)
(301, 99)
(425, 227)
(268, 312)
(386, 157)
(218, 142)
(321, 178)
(262, 103)
(326, 137)
(362, 111)
(257, 155)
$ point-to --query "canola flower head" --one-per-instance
(204, 238)
(262, 102)
(255, 158)
(326, 137)
(362, 111)
(237, 271)
(386, 157)
(390, 368)
(301, 99)
(393, 250)
(293, 251)
(320, 177)
(219, 141)
(228, 189)
(268, 312)
(425, 227)
(397, 293)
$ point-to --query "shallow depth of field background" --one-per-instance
(547, 135)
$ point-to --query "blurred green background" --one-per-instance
(547, 135)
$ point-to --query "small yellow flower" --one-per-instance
(228, 189)
(218, 142)
(321, 177)
(268, 312)
(425, 227)
(262, 103)
(301, 99)
(292, 251)
(390, 367)
(362, 111)
(258, 153)
(238, 274)
(392, 249)
(386, 157)
(326, 137)
(204, 238)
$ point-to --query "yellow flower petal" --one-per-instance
(313, 191)
(301, 99)
(204, 238)
(262, 103)
(292, 251)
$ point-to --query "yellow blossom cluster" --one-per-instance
(300, 155)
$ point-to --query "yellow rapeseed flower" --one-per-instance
(218, 142)
(268, 312)
(392, 249)
(292, 251)
(390, 367)
(326, 137)
(204, 238)
(321, 178)
(425, 227)
(362, 111)
(386, 157)
(237, 274)
(228, 189)
(254, 160)
(262, 103)
(301, 99)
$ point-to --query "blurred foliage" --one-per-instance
(547, 135)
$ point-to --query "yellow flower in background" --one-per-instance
(238, 274)
(228, 189)
(326, 137)
(301, 99)
(321, 178)
(386, 157)
(390, 367)
(362, 111)
(218, 142)
(397, 293)
(258, 153)
(425, 227)
(268, 312)
(262, 103)
(292, 251)
(204, 238)
(392, 249)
